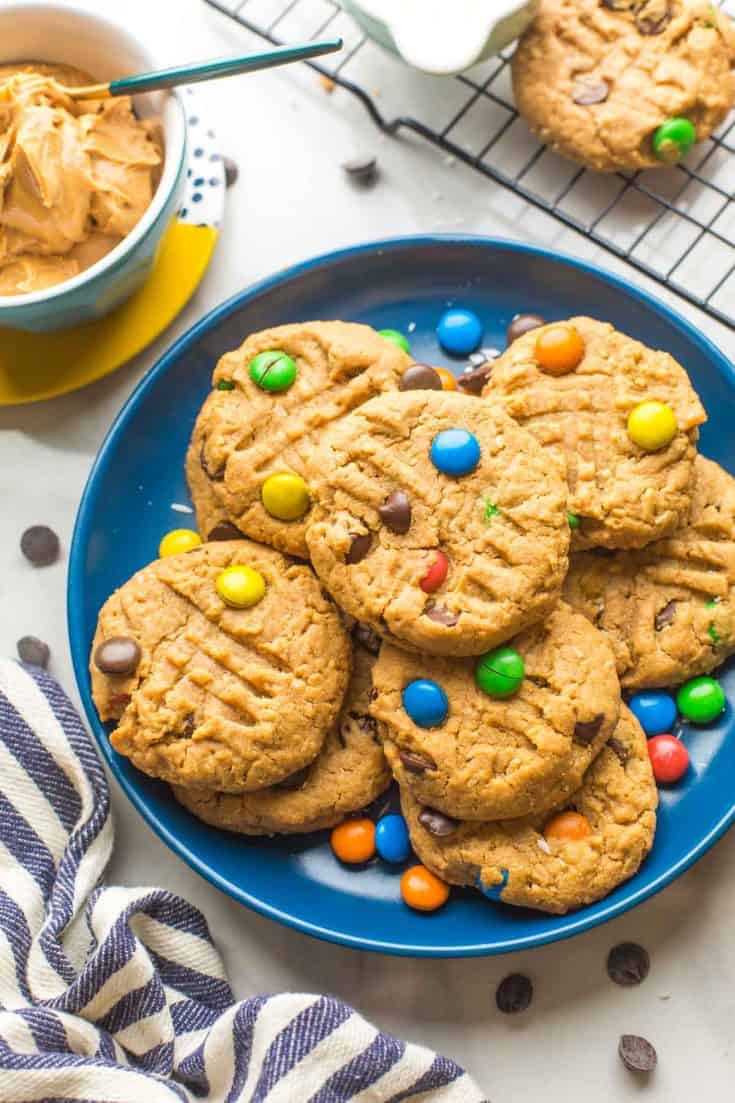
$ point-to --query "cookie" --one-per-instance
(620, 494)
(527, 862)
(204, 694)
(438, 522)
(597, 80)
(347, 775)
(669, 609)
(493, 758)
(271, 401)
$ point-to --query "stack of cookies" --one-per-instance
(385, 590)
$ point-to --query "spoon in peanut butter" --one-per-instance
(205, 70)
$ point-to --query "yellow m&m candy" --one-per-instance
(652, 425)
(241, 587)
(285, 496)
(178, 541)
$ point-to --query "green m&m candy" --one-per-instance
(273, 370)
(674, 139)
(500, 673)
(574, 521)
(701, 700)
(396, 338)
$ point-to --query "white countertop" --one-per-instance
(564, 1049)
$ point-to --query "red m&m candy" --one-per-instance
(436, 573)
(669, 758)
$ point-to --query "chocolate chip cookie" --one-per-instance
(204, 694)
(602, 81)
(437, 521)
(669, 609)
(348, 774)
(557, 861)
(621, 494)
(271, 401)
(492, 757)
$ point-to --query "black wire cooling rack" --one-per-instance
(675, 225)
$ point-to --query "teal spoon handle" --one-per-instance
(220, 67)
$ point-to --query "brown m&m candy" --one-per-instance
(119, 655)
(522, 323)
(420, 377)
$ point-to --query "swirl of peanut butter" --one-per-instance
(75, 176)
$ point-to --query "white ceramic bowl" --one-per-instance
(74, 36)
(451, 39)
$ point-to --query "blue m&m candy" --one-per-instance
(459, 332)
(455, 452)
(655, 711)
(426, 703)
(391, 838)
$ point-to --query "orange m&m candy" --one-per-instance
(354, 841)
(422, 890)
(559, 349)
(567, 827)
(449, 383)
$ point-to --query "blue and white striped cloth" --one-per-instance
(118, 994)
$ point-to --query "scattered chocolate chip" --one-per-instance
(373, 694)
(189, 725)
(523, 323)
(40, 545)
(619, 5)
(514, 994)
(365, 723)
(473, 380)
(586, 92)
(628, 964)
(395, 513)
(586, 731)
(33, 651)
(364, 636)
(225, 530)
(441, 615)
(603, 553)
(420, 377)
(215, 476)
(637, 1054)
(416, 763)
(665, 616)
(118, 655)
(231, 171)
(363, 168)
(436, 823)
(293, 781)
(619, 749)
(360, 546)
(652, 16)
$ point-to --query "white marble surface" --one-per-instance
(564, 1049)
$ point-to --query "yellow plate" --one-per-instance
(34, 366)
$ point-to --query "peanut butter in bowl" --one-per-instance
(75, 176)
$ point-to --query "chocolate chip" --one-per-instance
(231, 171)
(514, 994)
(473, 380)
(436, 823)
(523, 323)
(225, 530)
(189, 726)
(364, 636)
(395, 513)
(619, 5)
(293, 781)
(619, 749)
(420, 377)
(586, 93)
(637, 1054)
(441, 615)
(40, 545)
(416, 763)
(365, 723)
(215, 476)
(363, 168)
(360, 546)
(652, 16)
(586, 731)
(665, 616)
(628, 964)
(118, 655)
(33, 651)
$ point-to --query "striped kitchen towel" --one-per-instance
(118, 994)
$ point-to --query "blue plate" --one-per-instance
(139, 476)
